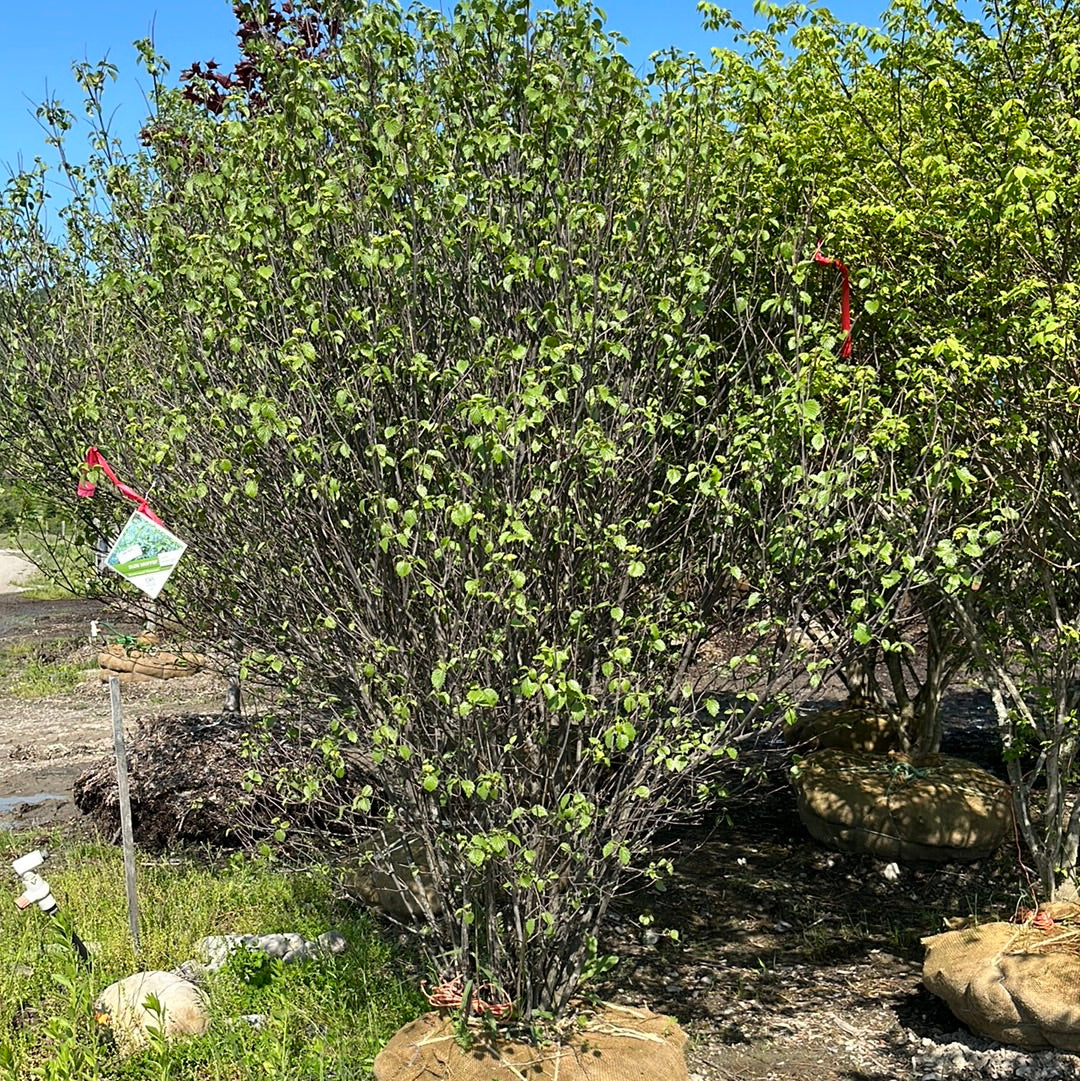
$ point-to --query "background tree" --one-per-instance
(940, 152)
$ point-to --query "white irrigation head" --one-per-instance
(30, 862)
(36, 891)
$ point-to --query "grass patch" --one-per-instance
(31, 670)
(325, 1018)
(38, 587)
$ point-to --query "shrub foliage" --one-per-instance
(487, 379)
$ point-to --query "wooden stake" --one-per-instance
(125, 810)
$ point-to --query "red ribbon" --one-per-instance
(845, 298)
(87, 488)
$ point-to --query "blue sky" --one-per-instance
(43, 39)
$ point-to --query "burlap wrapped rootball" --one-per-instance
(857, 725)
(394, 876)
(156, 664)
(617, 1044)
(897, 807)
(1010, 983)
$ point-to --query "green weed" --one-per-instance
(325, 1018)
(39, 587)
(31, 670)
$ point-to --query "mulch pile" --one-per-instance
(216, 779)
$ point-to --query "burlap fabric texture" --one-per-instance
(617, 1044)
(853, 726)
(393, 876)
(1010, 983)
(143, 665)
(897, 807)
(122, 1007)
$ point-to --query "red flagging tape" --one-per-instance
(87, 488)
(845, 298)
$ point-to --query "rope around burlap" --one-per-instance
(450, 995)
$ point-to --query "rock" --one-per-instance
(897, 808)
(122, 1007)
(333, 942)
(275, 945)
(290, 947)
(214, 950)
(1067, 891)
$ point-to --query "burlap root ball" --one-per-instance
(393, 876)
(617, 1044)
(857, 725)
(897, 807)
(1009, 982)
(122, 1008)
(141, 665)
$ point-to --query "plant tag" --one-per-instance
(145, 553)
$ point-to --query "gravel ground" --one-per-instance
(797, 963)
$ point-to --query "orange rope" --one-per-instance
(450, 995)
(1041, 921)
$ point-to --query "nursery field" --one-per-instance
(791, 961)
(54, 713)
(545, 435)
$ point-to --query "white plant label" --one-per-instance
(145, 553)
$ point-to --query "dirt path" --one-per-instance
(14, 569)
(45, 743)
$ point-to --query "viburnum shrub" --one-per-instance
(486, 379)
(445, 350)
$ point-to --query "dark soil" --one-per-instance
(794, 962)
(191, 782)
